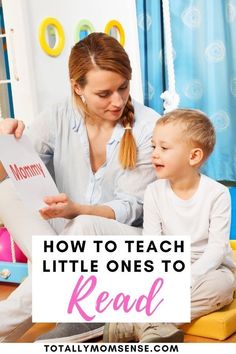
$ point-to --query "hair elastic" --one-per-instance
(128, 127)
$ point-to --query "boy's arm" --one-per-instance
(152, 220)
(218, 237)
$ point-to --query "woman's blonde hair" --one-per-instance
(198, 130)
(105, 52)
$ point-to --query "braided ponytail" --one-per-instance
(128, 148)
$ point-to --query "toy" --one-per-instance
(9, 251)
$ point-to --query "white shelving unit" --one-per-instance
(9, 271)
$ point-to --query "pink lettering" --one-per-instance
(41, 169)
(101, 298)
(28, 171)
(75, 298)
(123, 300)
(22, 172)
(15, 172)
(148, 299)
(85, 287)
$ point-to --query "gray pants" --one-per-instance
(211, 292)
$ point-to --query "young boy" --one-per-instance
(185, 202)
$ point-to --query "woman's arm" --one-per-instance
(129, 186)
(61, 206)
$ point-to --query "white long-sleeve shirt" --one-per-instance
(59, 134)
(205, 217)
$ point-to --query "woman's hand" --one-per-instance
(59, 206)
(12, 126)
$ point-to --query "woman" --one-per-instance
(99, 143)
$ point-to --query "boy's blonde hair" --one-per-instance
(198, 130)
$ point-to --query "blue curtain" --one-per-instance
(204, 47)
(6, 64)
(151, 50)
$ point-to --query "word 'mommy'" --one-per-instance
(27, 171)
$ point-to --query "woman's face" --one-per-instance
(106, 94)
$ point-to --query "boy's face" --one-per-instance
(171, 152)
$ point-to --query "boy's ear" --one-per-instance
(75, 87)
(196, 156)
